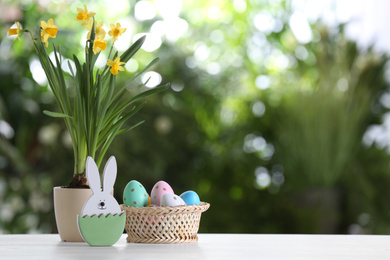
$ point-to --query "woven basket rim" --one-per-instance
(202, 207)
(178, 224)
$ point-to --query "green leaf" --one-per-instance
(93, 30)
(130, 128)
(126, 56)
(150, 92)
(113, 112)
(61, 84)
(115, 131)
(147, 93)
(111, 126)
(71, 69)
(55, 114)
(147, 67)
(94, 58)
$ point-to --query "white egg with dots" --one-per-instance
(171, 200)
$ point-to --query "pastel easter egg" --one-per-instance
(190, 197)
(159, 189)
(171, 200)
(135, 195)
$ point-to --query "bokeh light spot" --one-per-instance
(301, 53)
(239, 6)
(263, 179)
(262, 82)
(144, 10)
(132, 65)
(155, 79)
(258, 108)
(152, 41)
(300, 28)
(37, 72)
(264, 22)
(213, 13)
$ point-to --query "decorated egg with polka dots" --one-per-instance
(135, 195)
(190, 197)
(171, 200)
(159, 189)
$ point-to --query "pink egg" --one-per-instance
(159, 189)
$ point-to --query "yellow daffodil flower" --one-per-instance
(99, 44)
(115, 65)
(48, 30)
(84, 15)
(99, 31)
(116, 31)
(16, 31)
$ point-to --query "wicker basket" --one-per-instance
(163, 224)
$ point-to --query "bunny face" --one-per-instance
(101, 201)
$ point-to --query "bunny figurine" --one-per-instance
(101, 222)
(101, 201)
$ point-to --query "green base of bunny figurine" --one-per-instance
(102, 230)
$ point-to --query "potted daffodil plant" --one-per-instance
(93, 108)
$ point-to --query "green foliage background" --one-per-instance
(284, 159)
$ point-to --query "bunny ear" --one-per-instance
(93, 175)
(109, 174)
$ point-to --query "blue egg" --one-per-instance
(190, 197)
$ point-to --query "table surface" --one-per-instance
(209, 246)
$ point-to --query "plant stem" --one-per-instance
(112, 46)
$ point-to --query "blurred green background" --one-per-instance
(271, 118)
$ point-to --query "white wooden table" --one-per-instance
(209, 246)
